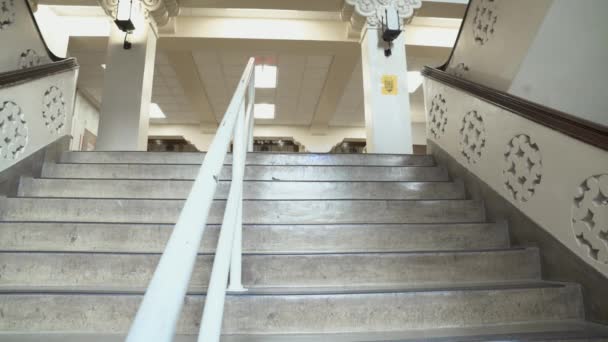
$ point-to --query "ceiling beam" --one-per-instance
(422, 31)
(264, 28)
(228, 45)
(338, 78)
(189, 78)
(294, 5)
(430, 8)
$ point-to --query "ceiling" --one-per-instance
(194, 77)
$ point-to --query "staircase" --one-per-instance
(338, 248)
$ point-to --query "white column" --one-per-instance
(387, 116)
(127, 90)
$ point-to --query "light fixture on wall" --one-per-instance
(156, 112)
(414, 80)
(391, 28)
(263, 111)
(265, 76)
(124, 9)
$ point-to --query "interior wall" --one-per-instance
(493, 56)
(21, 43)
(564, 68)
(53, 31)
(302, 134)
(86, 116)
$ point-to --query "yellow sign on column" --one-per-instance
(389, 85)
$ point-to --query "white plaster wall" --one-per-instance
(563, 163)
(313, 143)
(565, 67)
(419, 133)
(18, 37)
(53, 31)
(494, 62)
(86, 116)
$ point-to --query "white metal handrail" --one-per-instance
(158, 314)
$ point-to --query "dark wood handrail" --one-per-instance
(586, 131)
(11, 78)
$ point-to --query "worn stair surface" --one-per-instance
(348, 247)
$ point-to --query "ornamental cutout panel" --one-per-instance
(486, 16)
(438, 116)
(53, 109)
(7, 13)
(590, 217)
(13, 130)
(28, 58)
(523, 167)
(472, 137)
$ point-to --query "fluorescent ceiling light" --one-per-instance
(265, 76)
(156, 112)
(414, 80)
(263, 111)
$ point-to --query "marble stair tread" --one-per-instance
(179, 189)
(304, 314)
(132, 272)
(561, 331)
(152, 238)
(252, 172)
(567, 330)
(254, 211)
(252, 158)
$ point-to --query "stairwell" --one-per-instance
(337, 248)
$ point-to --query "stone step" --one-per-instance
(252, 172)
(254, 212)
(132, 272)
(301, 313)
(258, 158)
(138, 238)
(556, 331)
(178, 189)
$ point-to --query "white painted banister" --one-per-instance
(158, 314)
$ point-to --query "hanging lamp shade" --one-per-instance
(123, 15)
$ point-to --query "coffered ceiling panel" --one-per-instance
(169, 94)
(167, 91)
(300, 80)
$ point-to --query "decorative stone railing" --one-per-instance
(36, 88)
(35, 108)
(550, 165)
